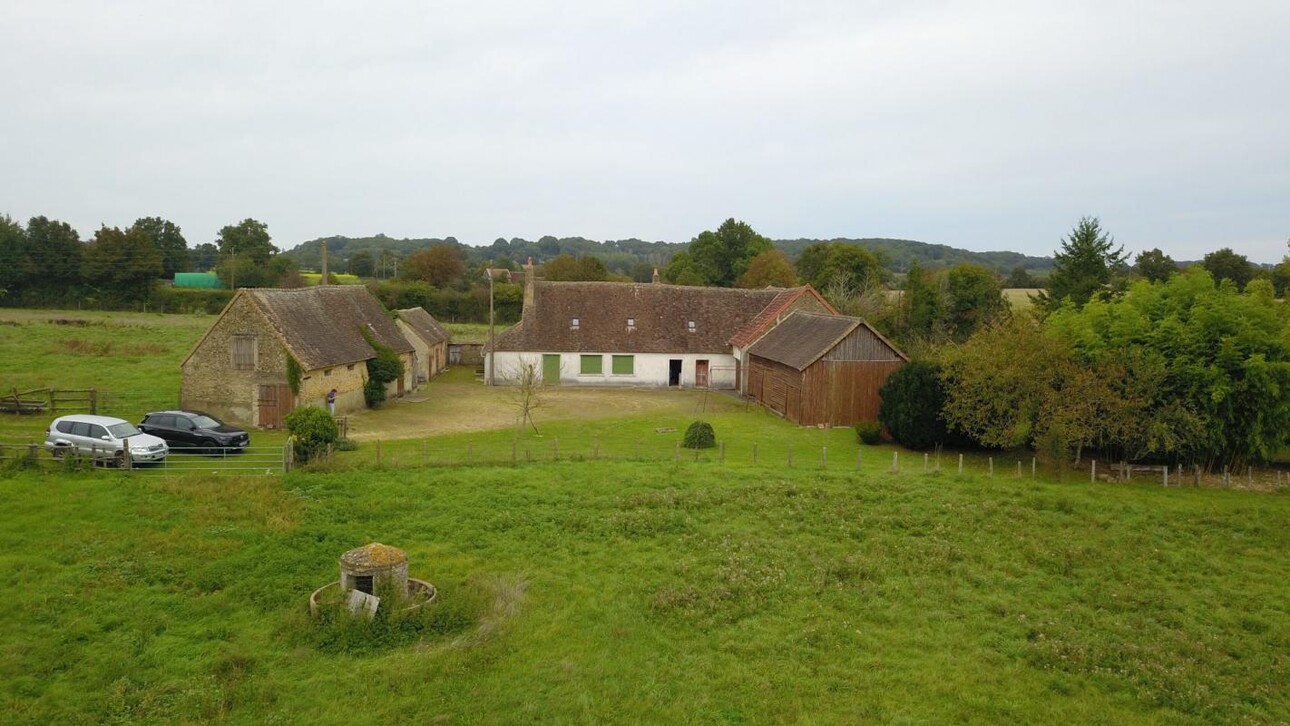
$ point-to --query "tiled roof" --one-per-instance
(321, 325)
(660, 314)
(773, 311)
(424, 324)
(802, 338)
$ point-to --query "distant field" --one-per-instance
(471, 332)
(1020, 298)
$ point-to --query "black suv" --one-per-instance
(193, 431)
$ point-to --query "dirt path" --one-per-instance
(456, 401)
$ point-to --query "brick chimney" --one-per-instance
(528, 288)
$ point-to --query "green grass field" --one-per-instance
(621, 592)
(589, 590)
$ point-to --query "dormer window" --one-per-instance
(574, 323)
(692, 327)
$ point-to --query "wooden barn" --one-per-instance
(821, 369)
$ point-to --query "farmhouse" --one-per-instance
(239, 369)
(651, 334)
(821, 369)
(428, 338)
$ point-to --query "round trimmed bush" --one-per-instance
(870, 432)
(699, 436)
(313, 430)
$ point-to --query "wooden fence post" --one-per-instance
(1018, 468)
(824, 457)
(895, 461)
(555, 448)
(94, 401)
(790, 456)
(754, 452)
(924, 461)
(638, 449)
(991, 467)
(960, 464)
(676, 455)
(1166, 468)
(470, 452)
(1092, 475)
(1033, 465)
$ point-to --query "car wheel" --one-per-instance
(210, 446)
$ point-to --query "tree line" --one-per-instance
(1132, 362)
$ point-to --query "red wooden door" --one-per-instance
(700, 374)
(275, 402)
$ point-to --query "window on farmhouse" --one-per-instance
(244, 351)
(624, 365)
(692, 327)
(574, 323)
(591, 365)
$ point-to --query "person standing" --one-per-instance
(331, 402)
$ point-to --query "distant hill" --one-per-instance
(637, 258)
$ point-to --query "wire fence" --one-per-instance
(771, 454)
(251, 461)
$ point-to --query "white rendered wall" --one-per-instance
(651, 369)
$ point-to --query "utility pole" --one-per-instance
(323, 281)
(492, 356)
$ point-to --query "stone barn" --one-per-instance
(821, 369)
(429, 338)
(239, 369)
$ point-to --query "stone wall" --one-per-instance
(212, 384)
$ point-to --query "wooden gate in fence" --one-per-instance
(51, 400)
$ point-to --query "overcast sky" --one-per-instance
(983, 125)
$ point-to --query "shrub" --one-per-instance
(912, 399)
(313, 430)
(373, 392)
(382, 369)
(699, 436)
(870, 432)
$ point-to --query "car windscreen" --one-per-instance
(123, 430)
(206, 422)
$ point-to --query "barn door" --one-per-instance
(275, 402)
(700, 374)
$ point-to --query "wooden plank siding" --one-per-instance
(840, 388)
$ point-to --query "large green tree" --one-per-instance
(56, 252)
(169, 241)
(439, 264)
(566, 268)
(1154, 265)
(15, 256)
(247, 239)
(923, 303)
(973, 298)
(1226, 264)
(721, 257)
(123, 263)
(769, 269)
(362, 264)
(1084, 266)
(1209, 365)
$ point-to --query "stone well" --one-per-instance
(375, 568)
(379, 570)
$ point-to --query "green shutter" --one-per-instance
(592, 365)
(624, 365)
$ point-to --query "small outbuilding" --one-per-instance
(428, 338)
(821, 369)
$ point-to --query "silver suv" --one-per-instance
(103, 437)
